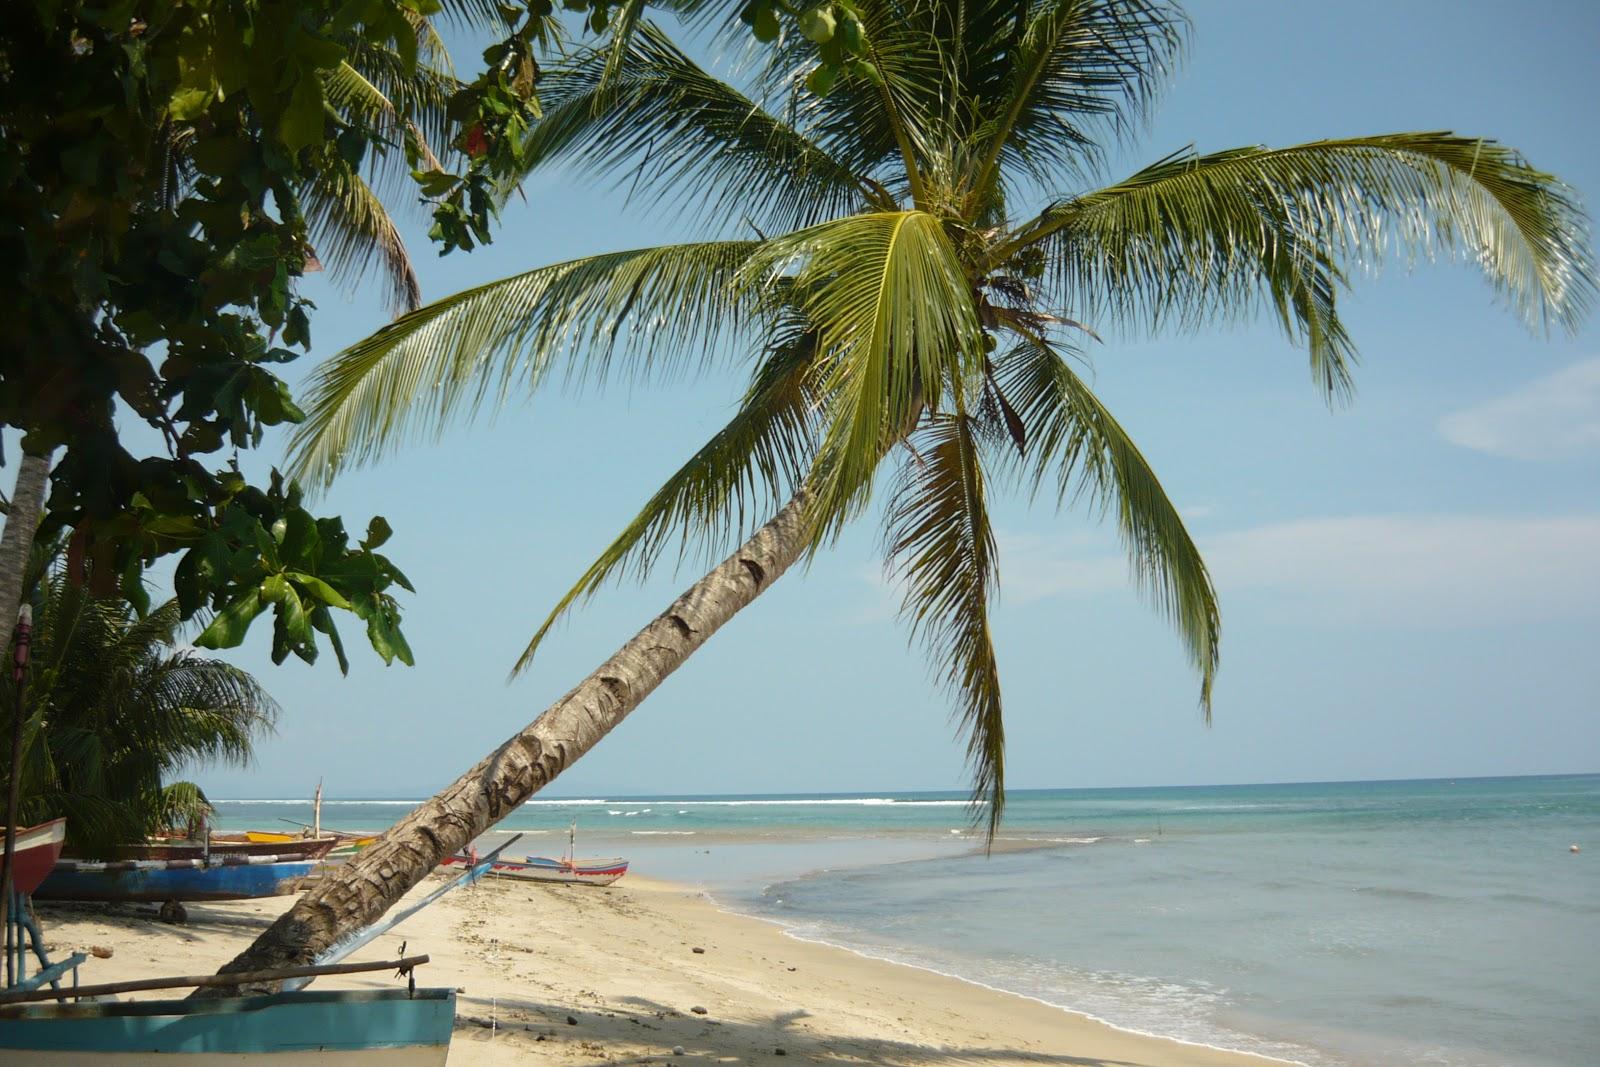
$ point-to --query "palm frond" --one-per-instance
(376, 87)
(746, 469)
(626, 21)
(1194, 238)
(447, 359)
(886, 128)
(1077, 448)
(895, 323)
(181, 806)
(350, 228)
(654, 119)
(1075, 69)
(941, 549)
(115, 709)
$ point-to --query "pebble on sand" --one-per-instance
(698, 1010)
(698, 951)
(677, 1050)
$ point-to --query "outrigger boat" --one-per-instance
(568, 869)
(343, 1028)
(345, 845)
(219, 878)
(545, 869)
(405, 1027)
(226, 845)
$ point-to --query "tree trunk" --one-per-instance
(21, 524)
(357, 894)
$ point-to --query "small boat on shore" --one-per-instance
(568, 869)
(37, 850)
(405, 1027)
(237, 877)
(345, 845)
(334, 1027)
(310, 848)
(545, 869)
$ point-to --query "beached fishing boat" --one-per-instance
(221, 878)
(37, 849)
(344, 844)
(567, 869)
(334, 1027)
(228, 845)
(545, 869)
(407, 1027)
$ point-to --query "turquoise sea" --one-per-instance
(1350, 924)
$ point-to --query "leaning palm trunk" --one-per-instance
(21, 523)
(360, 892)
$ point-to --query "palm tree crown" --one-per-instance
(935, 259)
(115, 709)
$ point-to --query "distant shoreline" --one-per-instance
(604, 797)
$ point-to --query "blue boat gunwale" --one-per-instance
(212, 1024)
(230, 881)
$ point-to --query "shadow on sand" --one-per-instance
(613, 1035)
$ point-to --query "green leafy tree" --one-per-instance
(116, 708)
(168, 170)
(911, 324)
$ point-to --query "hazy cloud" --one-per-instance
(1429, 570)
(1553, 417)
(1035, 567)
(1434, 570)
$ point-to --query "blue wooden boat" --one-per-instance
(392, 1027)
(220, 878)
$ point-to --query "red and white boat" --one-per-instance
(38, 848)
(545, 869)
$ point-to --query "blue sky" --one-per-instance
(1410, 586)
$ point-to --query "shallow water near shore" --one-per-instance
(1340, 925)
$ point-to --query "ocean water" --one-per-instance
(1338, 925)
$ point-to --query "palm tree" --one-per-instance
(115, 709)
(918, 307)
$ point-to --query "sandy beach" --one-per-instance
(577, 975)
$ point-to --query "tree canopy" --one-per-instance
(168, 170)
(115, 710)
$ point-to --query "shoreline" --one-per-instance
(1087, 1016)
(584, 975)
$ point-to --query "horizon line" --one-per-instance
(871, 793)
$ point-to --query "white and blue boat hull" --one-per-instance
(326, 1028)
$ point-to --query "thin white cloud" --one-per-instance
(1036, 567)
(1437, 570)
(1550, 418)
(1425, 570)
